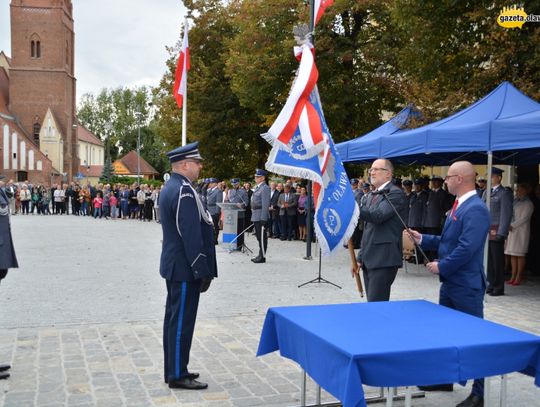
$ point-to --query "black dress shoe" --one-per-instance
(4, 376)
(254, 259)
(193, 375)
(259, 260)
(187, 383)
(472, 401)
(3, 368)
(437, 387)
(496, 293)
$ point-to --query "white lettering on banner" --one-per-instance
(341, 188)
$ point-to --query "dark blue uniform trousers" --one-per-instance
(467, 300)
(178, 326)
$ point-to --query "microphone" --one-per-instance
(383, 191)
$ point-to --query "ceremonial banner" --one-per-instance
(320, 6)
(336, 212)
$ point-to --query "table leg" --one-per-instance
(502, 397)
(390, 397)
(303, 389)
(487, 391)
(408, 396)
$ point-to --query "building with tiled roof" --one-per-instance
(132, 164)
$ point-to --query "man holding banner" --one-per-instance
(381, 250)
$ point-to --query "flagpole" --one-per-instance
(309, 224)
(184, 101)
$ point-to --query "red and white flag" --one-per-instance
(320, 6)
(180, 80)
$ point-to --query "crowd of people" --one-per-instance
(427, 205)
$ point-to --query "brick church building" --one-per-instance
(38, 126)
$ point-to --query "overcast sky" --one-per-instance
(117, 42)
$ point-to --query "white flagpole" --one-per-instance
(184, 102)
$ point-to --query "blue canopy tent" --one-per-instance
(370, 143)
(505, 123)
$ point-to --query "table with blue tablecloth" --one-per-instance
(397, 343)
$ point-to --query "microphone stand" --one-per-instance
(384, 193)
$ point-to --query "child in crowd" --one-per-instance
(113, 202)
(97, 202)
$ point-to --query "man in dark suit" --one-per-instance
(460, 258)
(381, 250)
(273, 222)
(287, 202)
(188, 262)
(500, 210)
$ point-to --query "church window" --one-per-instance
(35, 46)
(38, 49)
(37, 128)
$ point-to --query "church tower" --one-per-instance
(42, 72)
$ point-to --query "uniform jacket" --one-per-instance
(213, 197)
(437, 205)
(461, 245)
(292, 200)
(8, 259)
(417, 209)
(238, 196)
(382, 245)
(500, 209)
(188, 251)
(260, 203)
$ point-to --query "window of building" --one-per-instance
(37, 128)
(35, 46)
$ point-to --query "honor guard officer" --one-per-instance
(260, 214)
(239, 196)
(213, 197)
(500, 211)
(188, 262)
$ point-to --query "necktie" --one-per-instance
(454, 207)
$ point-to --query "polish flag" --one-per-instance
(320, 6)
(180, 80)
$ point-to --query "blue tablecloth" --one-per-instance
(399, 343)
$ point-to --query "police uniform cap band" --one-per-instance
(407, 182)
(189, 151)
(354, 181)
(260, 173)
(235, 181)
(496, 171)
(366, 186)
(212, 180)
(419, 181)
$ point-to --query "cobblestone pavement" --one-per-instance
(80, 320)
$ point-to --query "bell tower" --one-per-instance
(42, 71)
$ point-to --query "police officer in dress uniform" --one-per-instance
(8, 259)
(239, 196)
(188, 262)
(260, 214)
(500, 211)
(214, 196)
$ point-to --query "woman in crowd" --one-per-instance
(148, 204)
(520, 229)
(106, 204)
(141, 196)
(301, 214)
(25, 197)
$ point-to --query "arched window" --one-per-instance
(35, 46)
(37, 128)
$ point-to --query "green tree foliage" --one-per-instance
(117, 115)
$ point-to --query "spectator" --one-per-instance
(519, 232)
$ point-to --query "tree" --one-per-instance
(116, 115)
